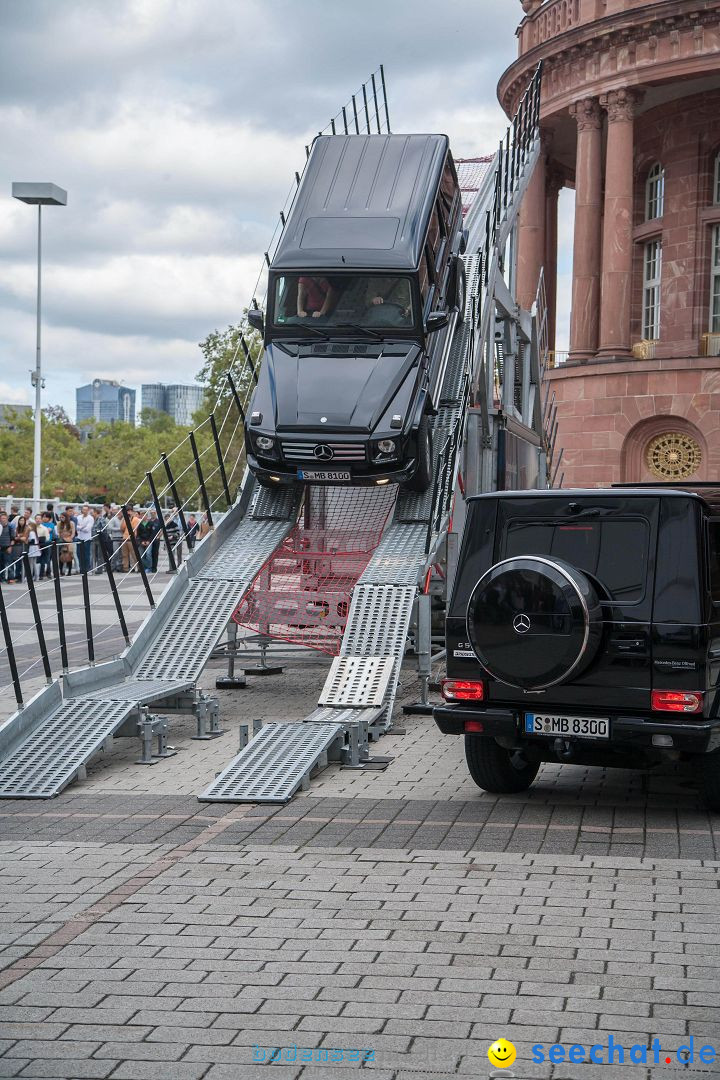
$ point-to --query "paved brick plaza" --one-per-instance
(146, 934)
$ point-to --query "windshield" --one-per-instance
(347, 300)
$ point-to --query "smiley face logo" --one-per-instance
(502, 1053)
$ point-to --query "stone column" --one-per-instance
(617, 254)
(553, 183)
(531, 236)
(585, 313)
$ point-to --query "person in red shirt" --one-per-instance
(315, 297)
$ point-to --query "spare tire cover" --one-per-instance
(534, 622)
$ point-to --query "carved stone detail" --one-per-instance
(621, 105)
(586, 113)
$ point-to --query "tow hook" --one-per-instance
(564, 749)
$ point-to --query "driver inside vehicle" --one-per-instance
(342, 301)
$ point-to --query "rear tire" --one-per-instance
(423, 475)
(709, 779)
(495, 769)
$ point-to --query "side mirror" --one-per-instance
(436, 320)
(255, 320)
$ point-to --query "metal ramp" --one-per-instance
(277, 763)
(164, 662)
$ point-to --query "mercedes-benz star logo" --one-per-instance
(521, 624)
(323, 452)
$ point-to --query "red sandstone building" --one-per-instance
(630, 117)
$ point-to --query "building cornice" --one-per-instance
(657, 42)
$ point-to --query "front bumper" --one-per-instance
(282, 472)
(628, 734)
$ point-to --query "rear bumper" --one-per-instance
(283, 473)
(627, 733)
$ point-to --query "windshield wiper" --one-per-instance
(313, 329)
(363, 329)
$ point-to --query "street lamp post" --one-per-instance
(38, 195)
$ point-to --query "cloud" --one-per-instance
(176, 128)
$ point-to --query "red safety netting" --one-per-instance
(302, 592)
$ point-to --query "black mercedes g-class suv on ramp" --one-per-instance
(364, 292)
(584, 627)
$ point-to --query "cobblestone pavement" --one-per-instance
(405, 915)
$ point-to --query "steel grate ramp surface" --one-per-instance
(184, 644)
(60, 746)
(139, 690)
(241, 557)
(379, 619)
(274, 764)
(398, 558)
(359, 681)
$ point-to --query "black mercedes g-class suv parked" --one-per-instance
(584, 627)
(364, 292)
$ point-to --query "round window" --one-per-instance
(673, 456)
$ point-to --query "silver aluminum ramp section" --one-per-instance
(166, 658)
(57, 751)
(276, 763)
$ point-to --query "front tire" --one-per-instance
(709, 779)
(495, 769)
(423, 475)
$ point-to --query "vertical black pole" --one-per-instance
(176, 497)
(58, 605)
(248, 357)
(136, 551)
(86, 603)
(365, 107)
(355, 115)
(116, 598)
(375, 99)
(236, 396)
(161, 519)
(221, 463)
(201, 479)
(36, 615)
(332, 126)
(10, 651)
(507, 168)
(384, 94)
(345, 120)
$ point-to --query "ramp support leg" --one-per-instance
(207, 714)
(150, 727)
(263, 668)
(231, 681)
(423, 646)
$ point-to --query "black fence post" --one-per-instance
(344, 116)
(201, 479)
(375, 99)
(27, 566)
(161, 520)
(236, 396)
(58, 605)
(176, 497)
(10, 651)
(86, 603)
(136, 552)
(384, 94)
(248, 357)
(116, 597)
(355, 115)
(365, 107)
(221, 463)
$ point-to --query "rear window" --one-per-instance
(615, 552)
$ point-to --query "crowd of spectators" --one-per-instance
(89, 538)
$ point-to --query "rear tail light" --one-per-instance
(462, 690)
(677, 701)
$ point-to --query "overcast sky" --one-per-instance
(175, 126)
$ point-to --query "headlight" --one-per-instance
(264, 443)
(386, 446)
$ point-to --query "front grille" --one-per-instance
(304, 451)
